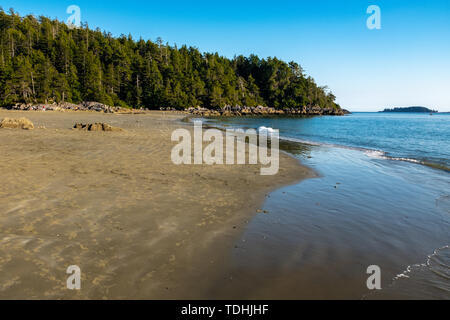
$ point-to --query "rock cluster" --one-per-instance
(96, 127)
(22, 123)
(260, 110)
(84, 106)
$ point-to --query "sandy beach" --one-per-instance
(113, 203)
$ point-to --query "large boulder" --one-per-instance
(22, 123)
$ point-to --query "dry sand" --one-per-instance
(138, 226)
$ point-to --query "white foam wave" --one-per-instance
(405, 273)
(428, 263)
(406, 159)
(375, 154)
(265, 130)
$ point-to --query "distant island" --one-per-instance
(411, 109)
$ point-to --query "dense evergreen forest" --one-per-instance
(43, 60)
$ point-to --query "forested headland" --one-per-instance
(45, 61)
(416, 109)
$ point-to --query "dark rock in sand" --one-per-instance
(96, 127)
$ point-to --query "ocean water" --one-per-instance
(414, 137)
(382, 197)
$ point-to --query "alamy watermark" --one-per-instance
(74, 20)
(374, 21)
(374, 281)
(235, 143)
(74, 280)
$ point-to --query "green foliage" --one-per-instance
(42, 60)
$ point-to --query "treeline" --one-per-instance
(43, 60)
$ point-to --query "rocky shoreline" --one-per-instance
(226, 111)
(66, 106)
(229, 111)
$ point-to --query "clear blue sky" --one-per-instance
(405, 63)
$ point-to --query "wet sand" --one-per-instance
(320, 236)
(113, 203)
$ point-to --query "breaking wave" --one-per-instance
(376, 154)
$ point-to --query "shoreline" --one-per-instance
(138, 226)
(285, 143)
(321, 235)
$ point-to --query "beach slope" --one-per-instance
(113, 203)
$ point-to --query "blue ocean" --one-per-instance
(414, 137)
(381, 197)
